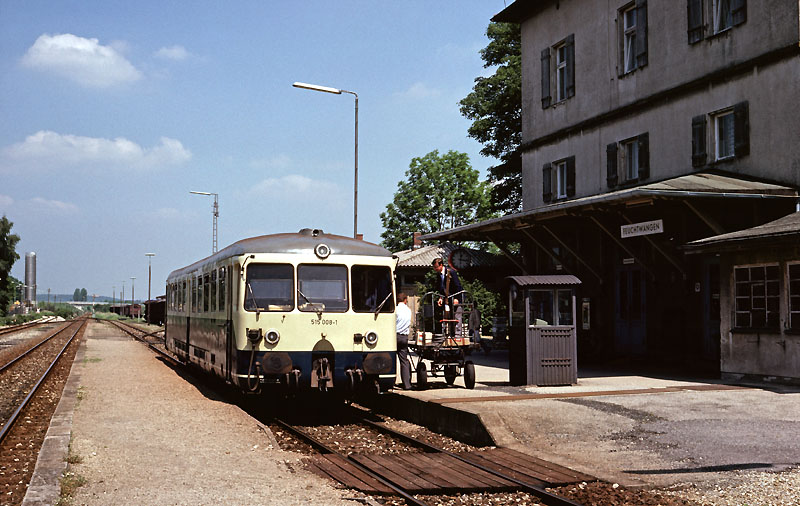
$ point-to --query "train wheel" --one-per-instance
(469, 375)
(422, 376)
(450, 373)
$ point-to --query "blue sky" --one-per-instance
(113, 111)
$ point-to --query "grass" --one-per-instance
(70, 483)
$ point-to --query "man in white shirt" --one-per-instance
(403, 314)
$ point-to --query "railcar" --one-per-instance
(295, 312)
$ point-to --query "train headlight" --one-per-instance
(272, 337)
(371, 338)
(322, 250)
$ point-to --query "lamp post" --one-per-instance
(149, 272)
(216, 215)
(122, 297)
(337, 91)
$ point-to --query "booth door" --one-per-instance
(629, 336)
(711, 311)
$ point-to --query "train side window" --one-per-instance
(372, 286)
(195, 288)
(182, 296)
(206, 292)
(222, 288)
(322, 287)
(269, 287)
(214, 290)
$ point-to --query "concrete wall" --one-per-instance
(769, 87)
(770, 355)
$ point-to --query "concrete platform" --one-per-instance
(636, 429)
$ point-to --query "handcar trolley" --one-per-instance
(434, 338)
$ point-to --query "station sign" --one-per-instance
(644, 228)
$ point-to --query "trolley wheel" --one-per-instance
(469, 375)
(422, 376)
(450, 373)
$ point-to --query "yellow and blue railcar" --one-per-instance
(297, 311)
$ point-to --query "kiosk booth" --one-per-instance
(542, 336)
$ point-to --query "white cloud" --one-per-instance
(281, 161)
(176, 53)
(294, 184)
(53, 205)
(419, 91)
(50, 150)
(82, 60)
(6, 202)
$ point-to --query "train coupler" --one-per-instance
(321, 376)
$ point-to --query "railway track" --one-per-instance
(30, 388)
(423, 469)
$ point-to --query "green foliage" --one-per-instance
(84, 295)
(440, 191)
(76, 295)
(8, 255)
(495, 108)
(59, 309)
(487, 301)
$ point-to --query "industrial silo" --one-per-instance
(30, 279)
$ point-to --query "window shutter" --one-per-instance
(571, 176)
(641, 33)
(695, 11)
(741, 129)
(739, 11)
(699, 141)
(570, 45)
(611, 165)
(546, 78)
(644, 155)
(547, 183)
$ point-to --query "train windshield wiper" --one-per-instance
(380, 306)
(312, 304)
(253, 297)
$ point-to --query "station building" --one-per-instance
(646, 126)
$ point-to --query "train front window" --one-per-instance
(372, 289)
(270, 287)
(322, 288)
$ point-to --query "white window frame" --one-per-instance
(721, 21)
(724, 137)
(561, 179)
(628, 38)
(561, 71)
(757, 297)
(793, 296)
(629, 154)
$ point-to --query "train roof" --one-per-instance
(301, 243)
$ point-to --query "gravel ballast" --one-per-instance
(145, 435)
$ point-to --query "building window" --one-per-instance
(730, 135)
(757, 296)
(722, 15)
(794, 297)
(628, 161)
(633, 36)
(562, 183)
(561, 179)
(723, 135)
(563, 72)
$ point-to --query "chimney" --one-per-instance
(360, 237)
(417, 242)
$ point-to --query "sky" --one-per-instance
(113, 111)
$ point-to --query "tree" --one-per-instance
(440, 191)
(84, 295)
(495, 108)
(8, 255)
(76, 295)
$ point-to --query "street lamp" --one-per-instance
(133, 298)
(337, 91)
(216, 215)
(149, 272)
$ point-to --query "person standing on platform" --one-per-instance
(403, 314)
(449, 285)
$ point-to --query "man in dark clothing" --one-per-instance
(449, 285)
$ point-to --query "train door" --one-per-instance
(230, 289)
(629, 319)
